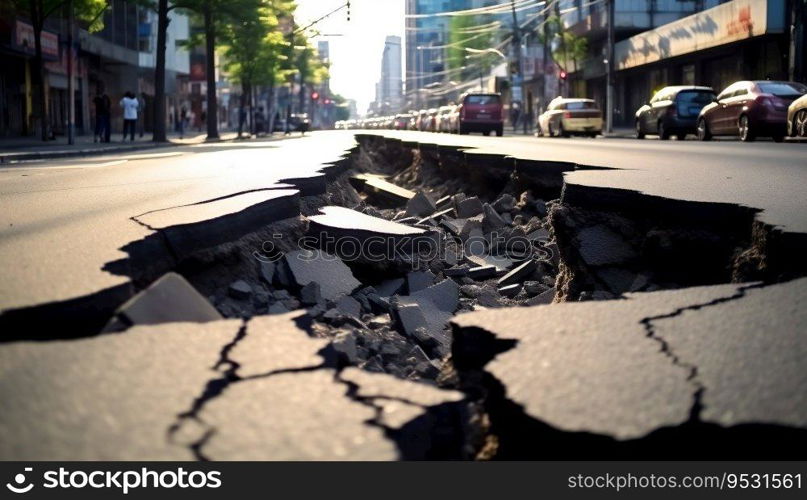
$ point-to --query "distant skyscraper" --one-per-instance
(389, 91)
(422, 61)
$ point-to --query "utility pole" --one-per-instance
(609, 71)
(71, 83)
(517, 49)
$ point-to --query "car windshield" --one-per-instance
(482, 100)
(696, 96)
(782, 89)
(581, 105)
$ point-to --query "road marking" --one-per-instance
(63, 167)
(151, 155)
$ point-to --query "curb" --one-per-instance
(9, 158)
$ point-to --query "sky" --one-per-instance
(356, 55)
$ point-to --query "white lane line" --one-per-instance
(63, 167)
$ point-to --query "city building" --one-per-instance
(425, 40)
(389, 89)
(669, 42)
(117, 59)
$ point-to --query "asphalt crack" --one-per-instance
(216, 387)
(666, 349)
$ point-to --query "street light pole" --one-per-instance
(517, 49)
(71, 83)
(609, 71)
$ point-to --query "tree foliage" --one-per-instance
(568, 50)
(463, 33)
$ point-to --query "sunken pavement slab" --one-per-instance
(203, 225)
(360, 237)
(623, 370)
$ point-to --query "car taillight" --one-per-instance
(567, 114)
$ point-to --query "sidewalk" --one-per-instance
(30, 148)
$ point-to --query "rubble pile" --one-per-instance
(394, 318)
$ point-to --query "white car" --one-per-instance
(567, 116)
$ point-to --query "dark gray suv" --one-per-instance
(673, 111)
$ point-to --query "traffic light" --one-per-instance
(314, 96)
(348, 10)
(562, 74)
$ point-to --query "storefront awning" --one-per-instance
(729, 22)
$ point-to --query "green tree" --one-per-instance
(570, 50)
(88, 12)
(470, 32)
(252, 50)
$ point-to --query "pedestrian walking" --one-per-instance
(129, 105)
(103, 109)
(183, 118)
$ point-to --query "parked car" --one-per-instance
(481, 112)
(750, 109)
(443, 114)
(797, 117)
(401, 121)
(422, 120)
(454, 120)
(673, 111)
(431, 120)
(299, 123)
(566, 116)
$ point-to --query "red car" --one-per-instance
(481, 113)
(750, 109)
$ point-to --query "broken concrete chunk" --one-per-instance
(267, 271)
(348, 306)
(334, 277)
(492, 220)
(600, 246)
(411, 318)
(518, 274)
(311, 294)
(436, 217)
(489, 297)
(277, 308)
(504, 203)
(453, 225)
(444, 202)
(457, 271)
(510, 290)
(240, 290)
(169, 299)
(534, 287)
(482, 272)
(502, 263)
(469, 207)
(444, 295)
(390, 287)
(345, 345)
(472, 228)
(420, 205)
(418, 280)
(543, 298)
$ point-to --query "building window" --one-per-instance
(688, 74)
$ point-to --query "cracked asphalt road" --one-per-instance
(727, 356)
